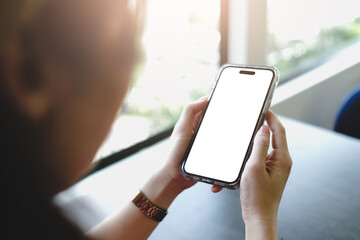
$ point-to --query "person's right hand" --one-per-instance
(264, 179)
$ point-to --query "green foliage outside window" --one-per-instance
(300, 53)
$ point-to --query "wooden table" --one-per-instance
(321, 199)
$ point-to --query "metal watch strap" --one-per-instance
(148, 208)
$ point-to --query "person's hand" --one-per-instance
(264, 178)
(180, 139)
(168, 182)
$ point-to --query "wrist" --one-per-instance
(161, 190)
(259, 214)
(260, 223)
(261, 229)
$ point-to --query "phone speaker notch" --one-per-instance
(247, 72)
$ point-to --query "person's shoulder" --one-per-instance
(31, 221)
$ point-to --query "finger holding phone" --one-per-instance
(264, 180)
(227, 146)
(225, 127)
(222, 143)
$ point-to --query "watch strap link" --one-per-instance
(148, 208)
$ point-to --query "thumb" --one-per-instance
(261, 146)
(189, 115)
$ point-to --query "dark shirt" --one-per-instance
(32, 220)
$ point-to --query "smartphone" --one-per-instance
(222, 142)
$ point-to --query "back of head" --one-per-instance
(26, 180)
(26, 212)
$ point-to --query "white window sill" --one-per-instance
(315, 97)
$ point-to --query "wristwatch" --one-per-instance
(148, 208)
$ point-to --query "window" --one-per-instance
(304, 34)
(182, 52)
(181, 48)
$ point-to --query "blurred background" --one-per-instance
(316, 47)
(314, 44)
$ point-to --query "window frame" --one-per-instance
(247, 33)
(125, 153)
(243, 30)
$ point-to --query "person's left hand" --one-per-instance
(180, 139)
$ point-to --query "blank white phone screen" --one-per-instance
(223, 138)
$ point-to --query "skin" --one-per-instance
(82, 118)
(264, 180)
